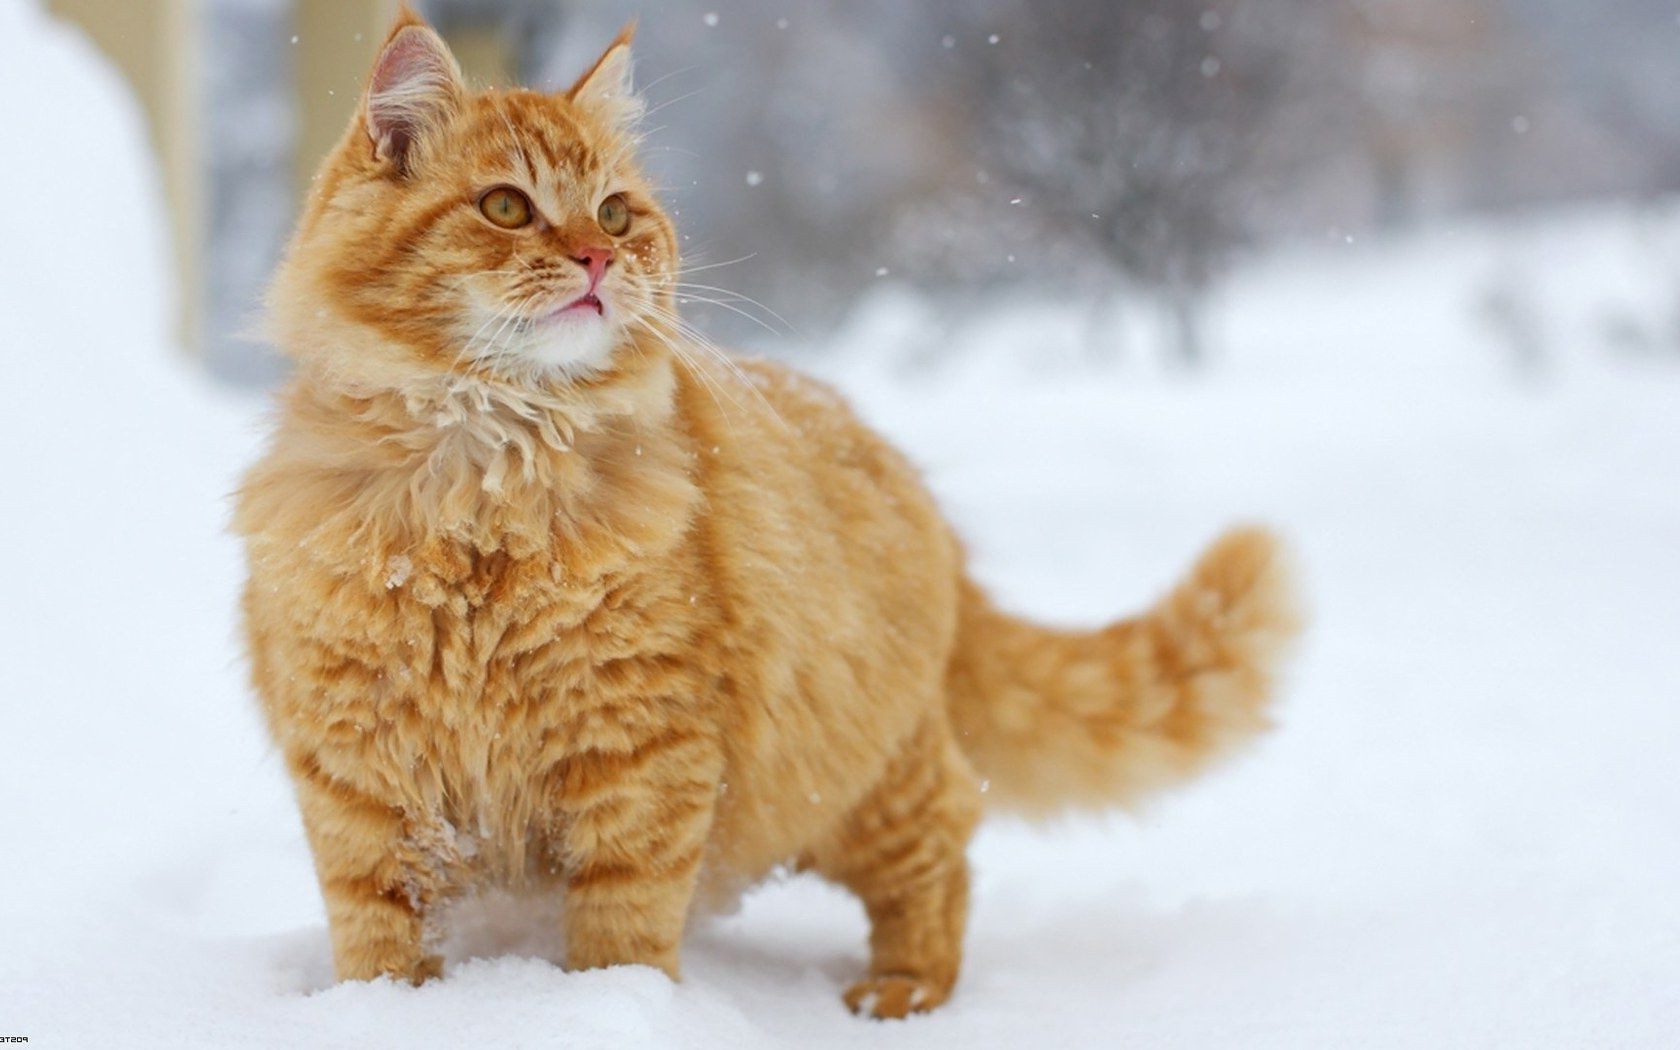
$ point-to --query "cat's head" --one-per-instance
(507, 233)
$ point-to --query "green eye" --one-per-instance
(614, 215)
(506, 207)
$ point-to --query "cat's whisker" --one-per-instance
(696, 293)
(711, 349)
(465, 277)
(656, 81)
(671, 149)
(505, 303)
(499, 349)
(489, 350)
(680, 330)
(682, 271)
(713, 388)
(466, 348)
(651, 110)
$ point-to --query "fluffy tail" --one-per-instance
(1060, 720)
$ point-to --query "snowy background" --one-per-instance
(1463, 833)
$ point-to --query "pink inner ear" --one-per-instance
(410, 84)
(408, 57)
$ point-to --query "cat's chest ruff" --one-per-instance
(467, 616)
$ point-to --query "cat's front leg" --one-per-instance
(376, 877)
(635, 824)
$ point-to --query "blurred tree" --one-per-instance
(1141, 129)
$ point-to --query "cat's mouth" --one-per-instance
(576, 311)
(583, 304)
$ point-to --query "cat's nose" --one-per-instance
(595, 260)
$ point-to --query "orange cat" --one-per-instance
(539, 596)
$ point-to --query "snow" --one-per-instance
(1462, 833)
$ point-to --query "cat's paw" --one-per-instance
(402, 967)
(893, 996)
(429, 968)
(399, 970)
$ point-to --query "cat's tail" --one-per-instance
(1056, 720)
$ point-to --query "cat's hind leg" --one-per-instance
(903, 852)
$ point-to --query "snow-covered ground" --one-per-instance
(1463, 834)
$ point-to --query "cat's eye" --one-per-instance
(506, 207)
(614, 215)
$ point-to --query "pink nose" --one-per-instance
(595, 260)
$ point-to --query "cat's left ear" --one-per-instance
(607, 88)
(414, 90)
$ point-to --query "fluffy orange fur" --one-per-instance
(573, 605)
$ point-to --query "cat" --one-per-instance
(541, 594)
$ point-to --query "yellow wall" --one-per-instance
(337, 40)
(337, 43)
(155, 44)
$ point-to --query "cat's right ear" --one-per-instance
(606, 88)
(414, 90)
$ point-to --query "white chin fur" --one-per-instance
(567, 346)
